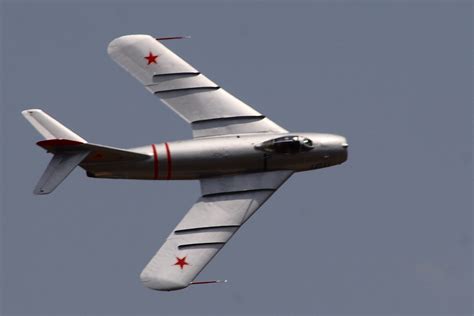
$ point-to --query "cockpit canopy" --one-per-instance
(286, 145)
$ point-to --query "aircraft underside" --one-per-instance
(239, 156)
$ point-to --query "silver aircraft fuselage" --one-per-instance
(232, 154)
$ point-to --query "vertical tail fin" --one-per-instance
(49, 127)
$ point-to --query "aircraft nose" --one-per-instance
(344, 145)
(342, 141)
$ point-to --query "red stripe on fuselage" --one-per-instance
(155, 162)
(168, 156)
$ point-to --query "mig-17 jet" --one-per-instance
(239, 156)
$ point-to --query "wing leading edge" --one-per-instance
(209, 109)
(225, 205)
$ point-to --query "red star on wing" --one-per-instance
(151, 59)
(181, 262)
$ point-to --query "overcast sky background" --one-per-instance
(388, 232)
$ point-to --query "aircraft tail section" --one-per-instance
(49, 127)
(60, 166)
(70, 150)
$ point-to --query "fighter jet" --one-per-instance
(239, 156)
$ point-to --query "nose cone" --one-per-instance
(342, 148)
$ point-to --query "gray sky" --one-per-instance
(388, 232)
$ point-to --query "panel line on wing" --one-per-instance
(210, 88)
(234, 125)
(177, 74)
(221, 119)
(199, 245)
(204, 229)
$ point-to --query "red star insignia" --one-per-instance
(181, 262)
(151, 59)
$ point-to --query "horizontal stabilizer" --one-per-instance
(60, 166)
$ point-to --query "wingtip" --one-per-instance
(154, 282)
(30, 111)
(125, 40)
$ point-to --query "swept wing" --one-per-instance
(225, 205)
(209, 109)
(227, 201)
